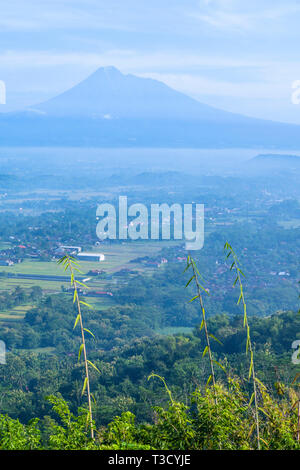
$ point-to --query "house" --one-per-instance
(99, 294)
(86, 256)
(6, 262)
(70, 249)
(96, 272)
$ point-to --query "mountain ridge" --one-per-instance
(142, 97)
(111, 109)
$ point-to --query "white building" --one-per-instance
(90, 256)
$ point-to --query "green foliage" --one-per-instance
(74, 432)
(122, 434)
(17, 436)
(218, 418)
(222, 414)
(70, 264)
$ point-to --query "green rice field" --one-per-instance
(117, 257)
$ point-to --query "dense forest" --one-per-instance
(152, 391)
(151, 375)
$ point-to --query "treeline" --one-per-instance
(217, 418)
(19, 296)
(50, 322)
(122, 385)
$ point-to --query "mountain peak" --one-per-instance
(116, 109)
(108, 70)
(109, 93)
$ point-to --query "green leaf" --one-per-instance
(209, 380)
(264, 412)
(203, 288)
(216, 339)
(80, 351)
(76, 321)
(84, 303)
(251, 367)
(88, 331)
(84, 386)
(187, 267)
(93, 365)
(82, 284)
(190, 281)
(220, 365)
(251, 399)
(296, 377)
(260, 383)
(262, 440)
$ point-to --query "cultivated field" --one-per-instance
(117, 257)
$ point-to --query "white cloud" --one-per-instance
(127, 60)
(238, 15)
(35, 15)
(204, 48)
(199, 86)
(266, 79)
(78, 15)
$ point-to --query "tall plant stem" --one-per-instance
(199, 287)
(69, 263)
(249, 346)
(84, 351)
(252, 366)
(204, 322)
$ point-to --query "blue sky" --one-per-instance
(238, 55)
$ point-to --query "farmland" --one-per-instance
(117, 257)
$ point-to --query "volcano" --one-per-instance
(112, 109)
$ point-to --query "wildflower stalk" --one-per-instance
(70, 264)
(191, 263)
(249, 348)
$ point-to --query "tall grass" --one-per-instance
(70, 264)
(199, 287)
(249, 347)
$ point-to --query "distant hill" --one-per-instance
(269, 160)
(274, 164)
(153, 179)
(277, 158)
(110, 109)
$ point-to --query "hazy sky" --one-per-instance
(238, 55)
